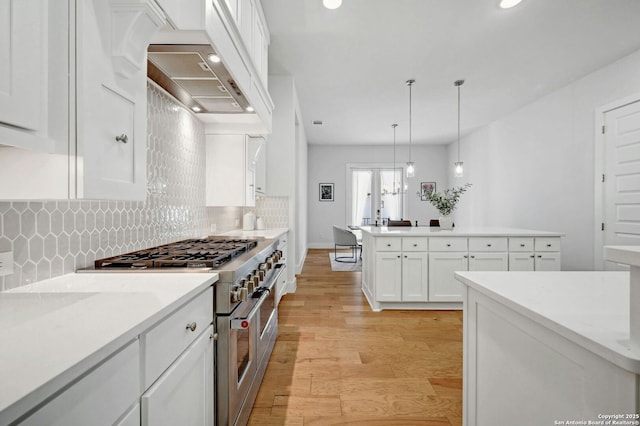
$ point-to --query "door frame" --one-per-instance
(599, 150)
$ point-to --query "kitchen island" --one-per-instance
(412, 267)
(548, 348)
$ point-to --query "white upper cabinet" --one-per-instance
(24, 74)
(257, 160)
(111, 93)
(231, 170)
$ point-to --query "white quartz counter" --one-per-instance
(425, 231)
(264, 233)
(55, 330)
(591, 309)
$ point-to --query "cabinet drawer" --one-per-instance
(448, 244)
(520, 244)
(547, 244)
(389, 244)
(99, 398)
(163, 343)
(488, 244)
(414, 244)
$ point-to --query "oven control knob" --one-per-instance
(234, 296)
(256, 280)
(261, 274)
(244, 294)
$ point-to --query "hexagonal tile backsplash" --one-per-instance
(51, 238)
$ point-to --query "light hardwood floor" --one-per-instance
(336, 362)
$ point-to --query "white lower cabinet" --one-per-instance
(443, 287)
(415, 276)
(488, 261)
(183, 395)
(101, 397)
(132, 418)
(534, 254)
(401, 276)
(389, 277)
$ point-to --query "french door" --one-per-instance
(377, 195)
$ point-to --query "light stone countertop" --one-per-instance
(425, 231)
(265, 233)
(589, 308)
(53, 331)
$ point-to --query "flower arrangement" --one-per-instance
(446, 202)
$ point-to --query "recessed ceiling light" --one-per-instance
(250, 108)
(506, 4)
(196, 108)
(214, 58)
(332, 4)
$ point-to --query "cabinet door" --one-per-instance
(257, 157)
(488, 262)
(443, 287)
(23, 25)
(547, 262)
(111, 113)
(388, 277)
(183, 395)
(226, 171)
(415, 276)
(521, 261)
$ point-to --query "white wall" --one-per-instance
(327, 164)
(287, 165)
(535, 167)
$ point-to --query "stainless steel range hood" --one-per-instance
(204, 86)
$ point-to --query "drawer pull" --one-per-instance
(473, 257)
(415, 245)
(548, 245)
(532, 256)
(539, 256)
(388, 245)
(405, 256)
(398, 256)
(122, 138)
(192, 326)
(488, 245)
(448, 245)
(466, 257)
(521, 245)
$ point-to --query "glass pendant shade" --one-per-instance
(458, 170)
(411, 170)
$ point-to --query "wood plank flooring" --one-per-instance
(338, 363)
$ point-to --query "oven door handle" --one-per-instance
(242, 323)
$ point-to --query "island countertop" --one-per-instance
(425, 231)
(589, 308)
(55, 330)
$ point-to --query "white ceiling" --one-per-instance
(350, 64)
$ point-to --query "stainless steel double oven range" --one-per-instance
(246, 315)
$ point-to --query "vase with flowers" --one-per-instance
(446, 203)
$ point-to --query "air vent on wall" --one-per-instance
(184, 72)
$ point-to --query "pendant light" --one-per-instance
(332, 4)
(410, 164)
(458, 170)
(394, 159)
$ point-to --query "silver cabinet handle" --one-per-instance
(548, 245)
(405, 256)
(473, 257)
(398, 256)
(532, 256)
(388, 245)
(448, 245)
(539, 256)
(521, 245)
(122, 138)
(488, 245)
(192, 326)
(415, 245)
(466, 257)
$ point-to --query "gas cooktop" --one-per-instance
(209, 253)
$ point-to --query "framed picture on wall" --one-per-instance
(326, 192)
(426, 188)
